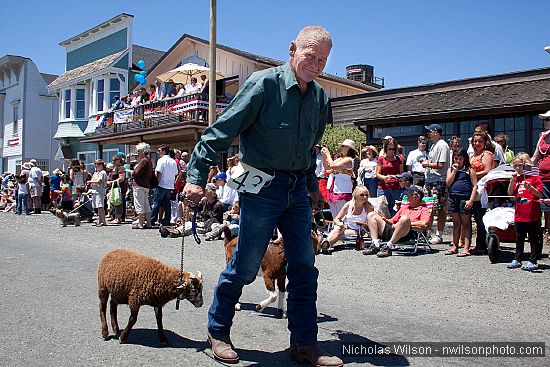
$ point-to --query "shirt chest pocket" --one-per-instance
(279, 122)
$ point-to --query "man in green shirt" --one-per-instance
(279, 115)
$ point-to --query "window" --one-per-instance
(67, 103)
(88, 158)
(536, 130)
(15, 131)
(100, 92)
(514, 127)
(80, 104)
(108, 155)
(114, 89)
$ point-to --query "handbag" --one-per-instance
(116, 195)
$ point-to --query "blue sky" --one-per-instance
(408, 42)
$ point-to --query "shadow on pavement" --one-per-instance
(149, 338)
(373, 350)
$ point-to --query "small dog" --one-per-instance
(68, 218)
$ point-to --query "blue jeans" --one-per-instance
(284, 203)
(22, 203)
(391, 196)
(162, 197)
(372, 186)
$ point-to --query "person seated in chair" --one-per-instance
(349, 219)
(414, 215)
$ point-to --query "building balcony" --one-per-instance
(180, 119)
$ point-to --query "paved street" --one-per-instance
(50, 313)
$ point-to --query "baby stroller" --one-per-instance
(499, 219)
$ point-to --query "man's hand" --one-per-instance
(193, 193)
(317, 200)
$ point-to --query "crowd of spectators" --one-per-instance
(160, 91)
(447, 171)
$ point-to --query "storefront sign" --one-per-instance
(380, 132)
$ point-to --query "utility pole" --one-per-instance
(212, 73)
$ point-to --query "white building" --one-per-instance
(28, 115)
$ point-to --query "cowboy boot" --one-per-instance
(315, 356)
(223, 349)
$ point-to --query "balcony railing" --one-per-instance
(190, 109)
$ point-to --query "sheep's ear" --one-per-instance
(199, 275)
(182, 285)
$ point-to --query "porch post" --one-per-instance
(212, 72)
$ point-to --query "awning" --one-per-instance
(64, 152)
(68, 130)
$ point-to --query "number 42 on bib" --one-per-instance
(248, 179)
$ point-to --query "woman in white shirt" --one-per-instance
(340, 181)
(367, 171)
(346, 222)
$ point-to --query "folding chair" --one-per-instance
(420, 238)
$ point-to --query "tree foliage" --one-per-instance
(335, 135)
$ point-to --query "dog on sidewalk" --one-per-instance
(68, 218)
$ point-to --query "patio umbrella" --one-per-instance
(183, 73)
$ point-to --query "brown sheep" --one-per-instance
(273, 269)
(135, 279)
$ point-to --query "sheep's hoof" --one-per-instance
(238, 307)
(281, 313)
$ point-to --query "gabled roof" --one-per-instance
(149, 55)
(87, 70)
(264, 60)
(97, 28)
(517, 91)
(49, 78)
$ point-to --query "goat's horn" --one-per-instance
(199, 275)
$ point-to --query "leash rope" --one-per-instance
(195, 236)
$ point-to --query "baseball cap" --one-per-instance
(416, 190)
(210, 187)
(406, 175)
(221, 175)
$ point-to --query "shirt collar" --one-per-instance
(290, 78)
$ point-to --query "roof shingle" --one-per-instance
(84, 70)
(514, 90)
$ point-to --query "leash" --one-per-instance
(195, 236)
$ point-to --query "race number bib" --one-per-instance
(248, 179)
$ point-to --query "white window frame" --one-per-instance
(97, 92)
(15, 129)
(110, 150)
(79, 100)
(110, 103)
(86, 152)
(71, 104)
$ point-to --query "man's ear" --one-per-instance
(292, 48)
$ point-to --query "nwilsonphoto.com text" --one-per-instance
(445, 349)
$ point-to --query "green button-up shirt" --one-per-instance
(277, 125)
